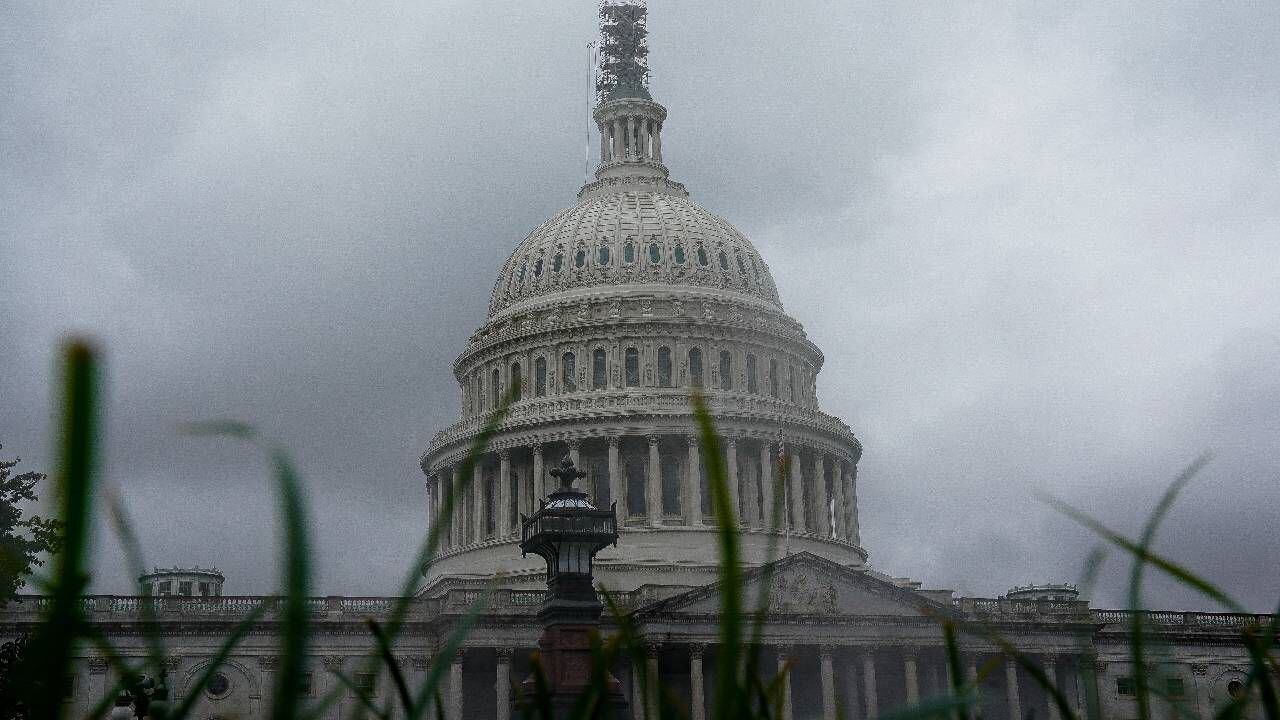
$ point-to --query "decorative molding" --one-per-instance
(268, 662)
(97, 665)
(333, 662)
(504, 654)
(1199, 669)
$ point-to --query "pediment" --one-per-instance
(807, 585)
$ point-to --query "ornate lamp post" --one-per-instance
(567, 531)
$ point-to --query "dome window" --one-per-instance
(568, 373)
(516, 390)
(629, 253)
(726, 370)
(580, 258)
(773, 378)
(702, 256)
(664, 367)
(495, 389)
(558, 262)
(695, 367)
(602, 255)
(755, 270)
(537, 268)
(655, 253)
(480, 393)
(540, 377)
(753, 385)
(742, 268)
(520, 274)
(599, 370)
(633, 367)
(679, 254)
(724, 261)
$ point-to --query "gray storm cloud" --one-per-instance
(1038, 244)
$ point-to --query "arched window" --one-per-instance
(602, 255)
(468, 398)
(516, 382)
(480, 393)
(791, 386)
(702, 256)
(629, 253)
(679, 254)
(695, 367)
(742, 269)
(726, 370)
(752, 385)
(568, 373)
(580, 258)
(633, 367)
(540, 377)
(664, 367)
(655, 253)
(724, 261)
(599, 370)
(495, 389)
(537, 268)
(773, 378)
(520, 275)
(558, 262)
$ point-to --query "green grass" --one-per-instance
(741, 689)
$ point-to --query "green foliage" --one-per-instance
(35, 673)
(22, 539)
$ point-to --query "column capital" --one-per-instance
(536, 446)
(731, 441)
(614, 441)
(268, 662)
(333, 662)
(826, 651)
(504, 455)
(651, 649)
(784, 651)
(1200, 669)
(97, 666)
(505, 654)
(692, 440)
(910, 652)
(574, 443)
(421, 663)
(697, 650)
(653, 439)
(459, 656)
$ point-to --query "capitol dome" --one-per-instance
(604, 324)
(631, 237)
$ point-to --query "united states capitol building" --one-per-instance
(609, 317)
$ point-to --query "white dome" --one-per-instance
(632, 236)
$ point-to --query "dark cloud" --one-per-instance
(1037, 244)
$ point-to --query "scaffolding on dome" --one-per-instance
(624, 51)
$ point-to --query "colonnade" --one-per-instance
(657, 479)
(858, 682)
(630, 137)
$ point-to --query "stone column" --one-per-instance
(539, 476)
(617, 483)
(766, 484)
(784, 655)
(604, 144)
(575, 452)
(971, 674)
(911, 678)
(657, 143)
(851, 698)
(459, 526)
(697, 696)
(1051, 672)
(651, 673)
(631, 137)
(869, 684)
(98, 678)
(1011, 688)
(267, 666)
(828, 684)
(637, 697)
(653, 485)
(618, 153)
(821, 507)
(477, 509)
(855, 535)
(453, 708)
(842, 499)
(797, 489)
(502, 683)
(1200, 673)
(502, 515)
(731, 469)
(692, 507)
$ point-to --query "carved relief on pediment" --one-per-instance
(803, 594)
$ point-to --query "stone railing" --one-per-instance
(1006, 609)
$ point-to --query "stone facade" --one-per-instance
(610, 317)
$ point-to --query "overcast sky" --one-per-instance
(1039, 244)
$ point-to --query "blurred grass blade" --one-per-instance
(366, 703)
(728, 697)
(54, 643)
(955, 669)
(182, 709)
(384, 647)
(295, 618)
(445, 657)
(133, 554)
